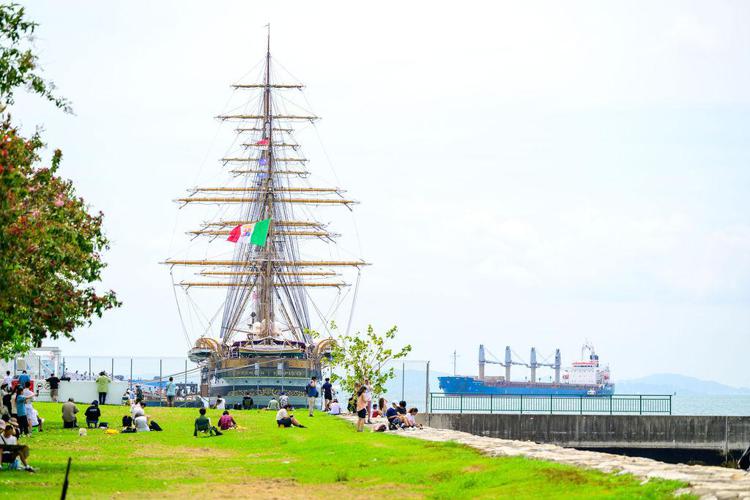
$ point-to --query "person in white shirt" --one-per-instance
(141, 423)
(7, 379)
(283, 400)
(284, 419)
(273, 404)
(335, 408)
(137, 410)
(221, 403)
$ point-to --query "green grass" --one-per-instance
(328, 459)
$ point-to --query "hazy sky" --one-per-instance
(531, 173)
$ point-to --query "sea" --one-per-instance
(711, 405)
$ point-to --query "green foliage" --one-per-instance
(328, 459)
(18, 63)
(358, 357)
(49, 244)
(49, 250)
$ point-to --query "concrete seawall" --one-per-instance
(715, 433)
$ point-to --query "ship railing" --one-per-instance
(619, 404)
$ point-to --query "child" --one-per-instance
(411, 419)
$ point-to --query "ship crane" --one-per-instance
(533, 363)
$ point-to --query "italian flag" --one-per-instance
(255, 233)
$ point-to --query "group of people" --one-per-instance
(203, 423)
(397, 415)
(18, 419)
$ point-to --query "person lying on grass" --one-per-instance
(203, 424)
(12, 450)
(227, 421)
(285, 419)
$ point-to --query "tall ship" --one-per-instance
(264, 220)
(585, 377)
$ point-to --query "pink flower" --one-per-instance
(59, 200)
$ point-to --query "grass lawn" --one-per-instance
(328, 459)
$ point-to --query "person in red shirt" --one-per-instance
(227, 421)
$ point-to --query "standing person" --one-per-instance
(368, 397)
(102, 386)
(311, 390)
(69, 410)
(23, 378)
(7, 380)
(138, 393)
(171, 391)
(8, 397)
(327, 394)
(361, 408)
(23, 422)
(54, 386)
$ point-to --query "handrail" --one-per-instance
(616, 404)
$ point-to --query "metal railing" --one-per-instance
(621, 404)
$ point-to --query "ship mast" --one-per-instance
(266, 283)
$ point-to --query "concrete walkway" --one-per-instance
(706, 482)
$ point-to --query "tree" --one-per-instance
(358, 357)
(50, 246)
(18, 63)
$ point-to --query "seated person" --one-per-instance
(12, 450)
(227, 421)
(247, 401)
(375, 412)
(401, 408)
(93, 413)
(138, 409)
(395, 420)
(141, 423)
(335, 408)
(284, 419)
(35, 421)
(411, 418)
(203, 424)
(69, 410)
(273, 404)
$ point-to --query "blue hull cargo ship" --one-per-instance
(582, 378)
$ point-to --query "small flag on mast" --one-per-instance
(255, 233)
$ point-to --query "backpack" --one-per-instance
(127, 421)
(154, 426)
(744, 461)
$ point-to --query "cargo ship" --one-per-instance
(583, 378)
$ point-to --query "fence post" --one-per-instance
(427, 388)
(403, 379)
(640, 404)
(550, 404)
(580, 401)
(521, 410)
(492, 396)
(610, 404)
(670, 404)
(461, 405)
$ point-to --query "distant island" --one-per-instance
(671, 383)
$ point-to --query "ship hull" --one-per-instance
(472, 385)
(235, 378)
